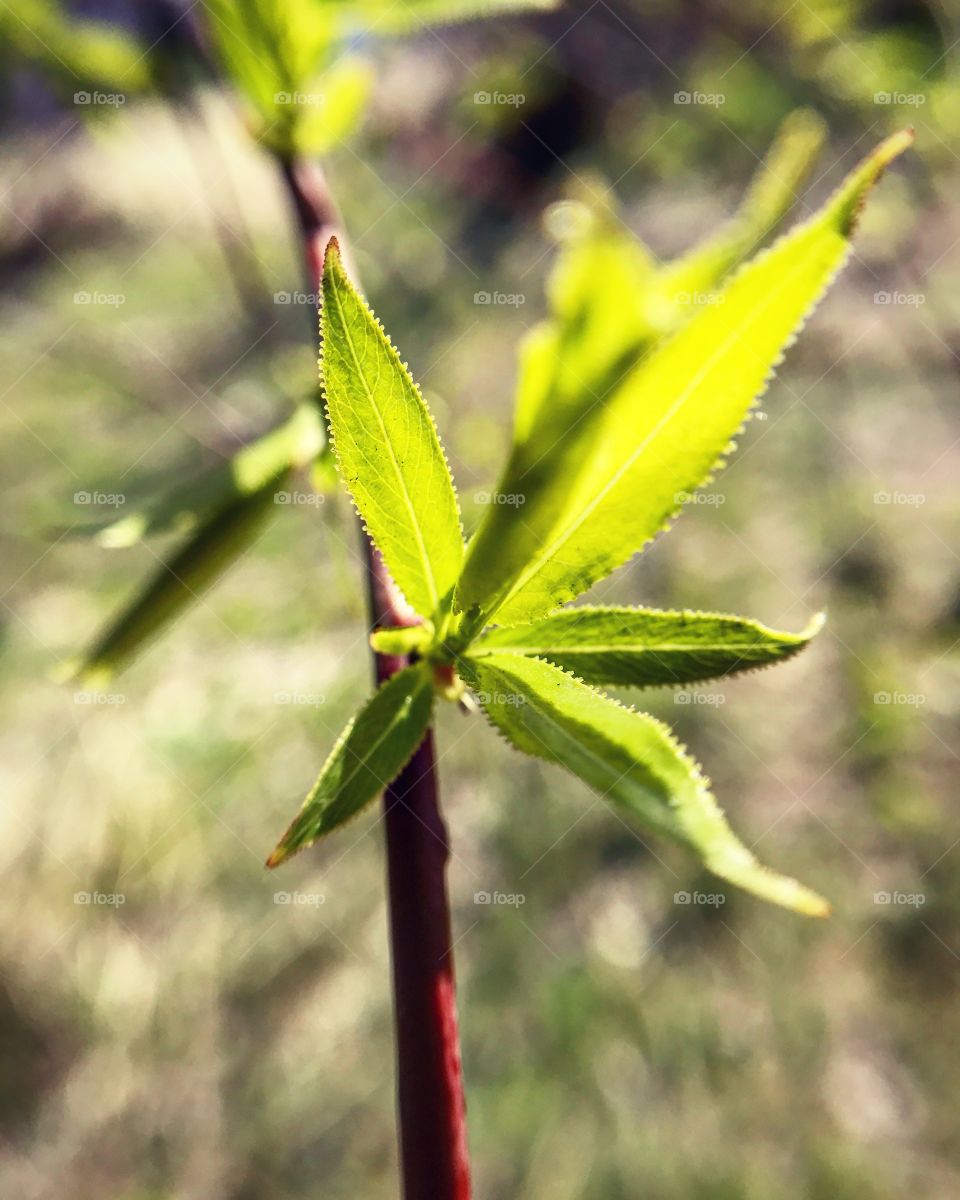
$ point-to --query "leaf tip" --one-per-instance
(813, 626)
(279, 855)
(332, 255)
(854, 192)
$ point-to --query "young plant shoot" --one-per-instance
(629, 400)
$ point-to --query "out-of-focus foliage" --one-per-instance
(223, 510)
(73, 50)
(288, 58)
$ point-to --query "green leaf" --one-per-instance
(177, 584)
(640, 647)
(601, 494)
(80, 51)
(609, 300)
(691, 278)
(631, 759)
(371, 752)
(387, 447)
(185, 503)
(401, 640)
(598, 296)
(341, 97)
(273, 51)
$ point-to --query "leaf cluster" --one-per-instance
(630, 398)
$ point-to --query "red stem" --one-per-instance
(431, 1111)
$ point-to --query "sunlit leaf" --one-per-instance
(410, 639)
(83, 53)
(691, 279)
(387, 448)
(610, 301)
(339, 100)
(598, 293)
(186, 502)
(640, 647)
(630, 759)
(177, 583)
(274, 52)
(371, 752)
(665, 429)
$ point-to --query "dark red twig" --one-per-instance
(431, 1113)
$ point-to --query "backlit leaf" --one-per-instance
(630, 759)
(640, 647)
(387, 448)
(371, 752)
(177, 583)
(186, 502)
(664, 430)
(692, 278)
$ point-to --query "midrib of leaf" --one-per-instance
(546, 647)
(551, 550)
(655, 817)
(425, 558)
(375, 745)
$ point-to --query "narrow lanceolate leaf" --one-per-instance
(182, 505)
(598, 293)
(387, 448)
(178, 583)
(610, 302)
(641, 647)
(664, 430)
(371, 752)
(692, 278)
(630, 758)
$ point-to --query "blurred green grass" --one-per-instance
(204, 1039)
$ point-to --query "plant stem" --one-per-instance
(431, 1112)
